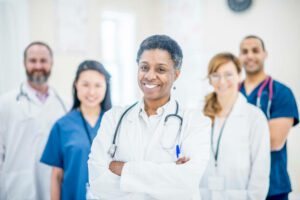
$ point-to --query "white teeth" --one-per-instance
(150, 86)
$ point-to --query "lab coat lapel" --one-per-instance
(133, 127)
(160, 130)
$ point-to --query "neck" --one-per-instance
(152, 106)
(255, 79)
(40, 88)
(90, 111)
(226, 103)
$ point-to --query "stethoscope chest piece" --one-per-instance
(112, 150)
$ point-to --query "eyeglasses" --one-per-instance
(215, 77)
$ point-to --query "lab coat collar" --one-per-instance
(239, 106)
(137, 110)
(26, 88)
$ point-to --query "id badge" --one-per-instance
(216, 183)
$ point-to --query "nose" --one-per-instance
(92, 91)
(150, 75)
(222, 80)
(38, 65)
(250, 55)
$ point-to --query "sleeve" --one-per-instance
(284, 105)
(2, 132)
(52, 154)
(260, 157)
(168, 180)
(103, 183)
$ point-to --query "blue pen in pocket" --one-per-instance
(177, 151)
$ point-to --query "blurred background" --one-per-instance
(111, 30)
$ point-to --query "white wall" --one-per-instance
(13, 38)
(206, 27)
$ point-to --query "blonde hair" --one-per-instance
(212, 106)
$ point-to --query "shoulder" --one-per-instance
(281, 89)
(71, 117)
(255, 113)
(8, 96)
(251, 112)
(8, 100)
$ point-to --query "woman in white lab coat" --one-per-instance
(155, 157)
(240, 143)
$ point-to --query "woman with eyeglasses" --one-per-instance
(240, 145)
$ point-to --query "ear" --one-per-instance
(177, 73)
(266, 55)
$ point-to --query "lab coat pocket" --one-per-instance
(170, 137)
(19, 185)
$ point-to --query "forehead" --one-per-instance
(38, 51)
(156, 56)
(251, 43)
(226, 67)
(91, 75)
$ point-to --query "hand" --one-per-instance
(182, 160)
(116, 167)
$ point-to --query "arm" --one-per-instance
(103, 183)
(56, 179)
(279, 129)
(284, 115)
(171, 180)
(260, 158)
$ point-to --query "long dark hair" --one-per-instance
(93, 65)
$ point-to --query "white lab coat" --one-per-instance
(244, 156)
(150, 173)
(24, 130)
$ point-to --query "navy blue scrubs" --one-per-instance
(283, 105)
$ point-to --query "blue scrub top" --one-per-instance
(68, 148)
(283, 105)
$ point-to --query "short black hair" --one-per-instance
(38, 43)
(258, 38)
(162, 42)
(96, 66)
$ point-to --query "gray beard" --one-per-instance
(38, 80)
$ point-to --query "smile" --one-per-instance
(150, 86)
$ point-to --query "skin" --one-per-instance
(156, 75)
(226, 88)
(252, 56)
(38, 62)
(91, 88)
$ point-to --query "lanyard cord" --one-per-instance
(216, 154)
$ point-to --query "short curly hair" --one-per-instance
(162, 42)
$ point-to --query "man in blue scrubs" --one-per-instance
(281, 112)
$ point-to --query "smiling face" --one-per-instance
(91, 88)
(225, 80)
(252, 55)
(38, 64)
(156, 75)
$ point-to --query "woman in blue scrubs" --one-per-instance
(71, 137)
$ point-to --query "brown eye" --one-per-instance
(144, 68)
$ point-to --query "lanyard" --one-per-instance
(216, 154)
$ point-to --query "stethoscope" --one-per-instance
(113, 148)
(24, 94)
(269, 81)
